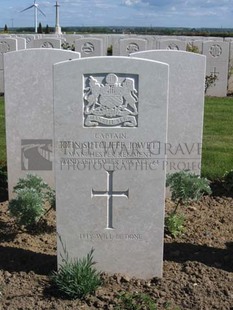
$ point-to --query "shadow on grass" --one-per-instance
(14, 259)
(212, 257)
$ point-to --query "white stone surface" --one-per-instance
(70, 39)
(46, 42)
(128, 46)
(29, 39)
(171, 44)
(6, 45)
(186, 107)
(29, 112)
(22, 43)
(217, 62)
(110, 184)
(89, 47)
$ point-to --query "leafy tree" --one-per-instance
(40, 30)
(47, 30)
(5, 28)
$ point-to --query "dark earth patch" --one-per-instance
(198, 266)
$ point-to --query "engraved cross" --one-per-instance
(215, 72)
(109, 193)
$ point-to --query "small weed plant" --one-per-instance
(210, 81)
(67, 46)
(228, 181)
(191, 47)
(135, 301)
(31, 195)
(174, 224)
(77, 278)
(185, 187)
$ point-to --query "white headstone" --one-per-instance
(46, 43)
(22, 43)
(29, 112)
(217, 62)
(89, 47)
(29, 39)
(186, 108)
(6, 45)
(70, 39)
(172, 44)
(132, 45)
(124, 47)
(110, 113)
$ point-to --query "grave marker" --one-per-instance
(217, 62)
(6, 45)
(46, 43)
(110, 183)
(186, 107)
(29, 112)
(90, 47)
(171, 44)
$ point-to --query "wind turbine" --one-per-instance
(36, 9)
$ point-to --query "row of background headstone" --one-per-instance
(29, 104)
(30, 139)
(219, 51)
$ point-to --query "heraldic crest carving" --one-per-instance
(110, 104)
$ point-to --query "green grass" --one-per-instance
(217, 136)
(2, 131)
(217, 154)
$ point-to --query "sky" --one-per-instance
(144, 13)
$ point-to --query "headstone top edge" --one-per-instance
(167, 52)
(41, 50)
(109, 59)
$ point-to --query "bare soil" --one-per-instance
(198, 265)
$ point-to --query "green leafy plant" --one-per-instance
(191, 47)
(38, 184)
(31, 195)
(77, 278)
(228, 180)
(27, 207)
(135, 301)
(109, 50)
(210, 81)
(67, 46)
(174, 224)
(185, 187)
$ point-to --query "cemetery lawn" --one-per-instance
(198, 270)
(217, 137)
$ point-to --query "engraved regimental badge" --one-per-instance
(110, 101)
